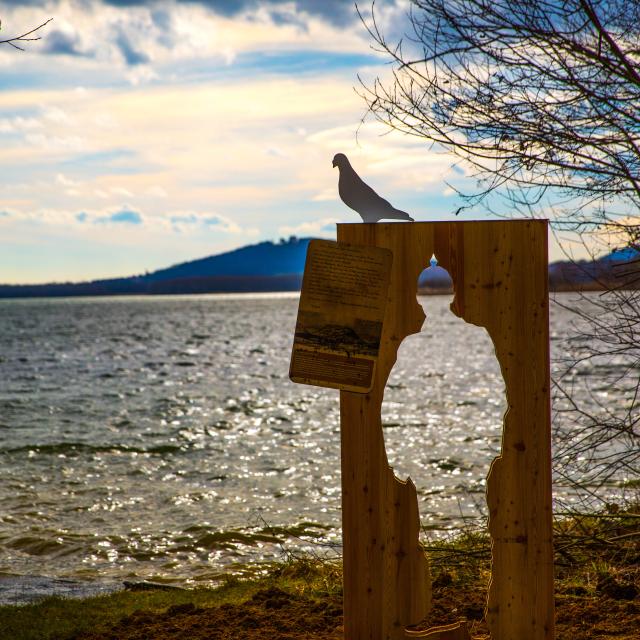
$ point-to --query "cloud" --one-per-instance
(65, 181)
(155, 191)
(329, 194)
(56, 115)
(334, 10)
(18, 124)
(184, 219)
(163, 20)
(56, 143)
(125, 216)
(324, 227)
(131, 55)
(121, 191)
(198, 220)
(63, 43)
(158, 223)
(386, 160)
(337, 12)
(181, 38)
(28, 3)
(214, 221)
(205, 157)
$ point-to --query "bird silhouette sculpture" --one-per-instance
(358, 195)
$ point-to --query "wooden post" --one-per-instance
(499, 271)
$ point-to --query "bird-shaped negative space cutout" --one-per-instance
(358, 195)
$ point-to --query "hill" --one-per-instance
(278, 266)
(266, 266)
(619, 269)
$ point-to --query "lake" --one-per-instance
(160, 437)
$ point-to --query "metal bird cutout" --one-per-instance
(358, 195)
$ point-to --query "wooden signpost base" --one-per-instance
(499, 271)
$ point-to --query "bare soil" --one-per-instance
(273, 614)
(597, 596)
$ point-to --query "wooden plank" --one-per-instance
(499, 270)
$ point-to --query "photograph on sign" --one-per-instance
(340, 315)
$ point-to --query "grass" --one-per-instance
(58, 618)
(597, 585)
(61, 618)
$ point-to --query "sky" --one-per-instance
(138, 134)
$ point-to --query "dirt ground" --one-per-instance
(275, 615)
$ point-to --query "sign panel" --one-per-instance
(340, 315)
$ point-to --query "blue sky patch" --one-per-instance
(126, 216)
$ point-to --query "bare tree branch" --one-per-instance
(25, 36)
(541, 99)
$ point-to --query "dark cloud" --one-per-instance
(60, 42)
(163, 19)
(338, 12)
(131, 55)
(287, 18)
(335, 11)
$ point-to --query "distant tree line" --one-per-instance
(141, 286)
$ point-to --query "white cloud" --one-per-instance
(230, 154)
(239, 144)
(324, 227)
(155, 191)
(396, 160)
(55, 114)
(19, 124)
(166, 222)
(105, 121)
(121, 191)
(56, 143)
(140, 75)
(197, 221)
(66, 182)
(326, 195)
(133, 37)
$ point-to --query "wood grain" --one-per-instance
(455, 631)
(499, 270)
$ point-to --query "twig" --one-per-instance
(23, 37)
(633, 534)
(612, 516)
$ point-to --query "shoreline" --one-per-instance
(597, 594)
(17, 590)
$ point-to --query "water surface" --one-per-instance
(160, 437)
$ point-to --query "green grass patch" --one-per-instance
(58, 618)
